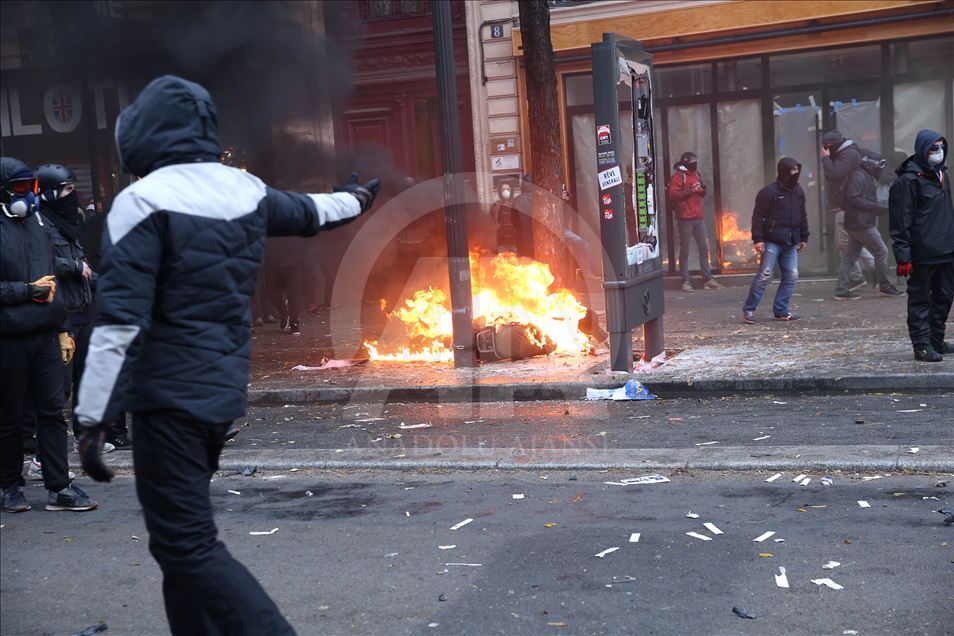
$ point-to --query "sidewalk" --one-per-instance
(856, 346)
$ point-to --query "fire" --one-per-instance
(730, 228)
(506, 289)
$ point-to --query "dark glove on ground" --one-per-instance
(363, 193)
(90, 443)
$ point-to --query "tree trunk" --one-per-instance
(545, 147)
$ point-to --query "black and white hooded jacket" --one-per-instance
(181, 253)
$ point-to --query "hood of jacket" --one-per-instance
(171, 121)
(785, 165)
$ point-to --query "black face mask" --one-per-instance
(791, 179)
(692, 165)
(65, 215)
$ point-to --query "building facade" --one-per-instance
(740, 83)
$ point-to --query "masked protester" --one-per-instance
(862, 208)
(182, 249)
(779, 231)
(921, 216)
(840, 158)
(686, 191)
(34, 346)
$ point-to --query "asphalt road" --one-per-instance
(361, 554)
(891, 419)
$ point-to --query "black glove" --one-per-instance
(363, 193)
(91, 442)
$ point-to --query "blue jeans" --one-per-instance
(690, 229)
(787, 258)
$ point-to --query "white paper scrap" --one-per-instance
(605, 552)
(446, 547)
(467, 565)
(759, 439)
(404, 426)
(864, 504)
(458, 526)
(235, 492)
(263, 533)
(805, 481)
(779, 540)
(692, 515)
(711, 527)
(913, 450)
(871, 477)
(518, 496)
(644, 479)
(634, 538)
(910, 410)
(828, 583)
(706, 443)
(781, 579)
(696, 535)
(799, 478)
(831, 565)
(773, 477)
(763, 537)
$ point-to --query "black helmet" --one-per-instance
(52, 178)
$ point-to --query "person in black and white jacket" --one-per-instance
(171, 344)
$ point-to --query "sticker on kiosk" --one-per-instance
(607, 199)
(610, 178)
(603, 135)
(608, 214)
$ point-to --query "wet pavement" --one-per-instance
(367, 553)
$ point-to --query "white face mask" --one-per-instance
(936, 157)
(505, 195)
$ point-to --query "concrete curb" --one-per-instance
(576, 390)
(735, 458)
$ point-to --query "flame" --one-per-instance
(506, 289)
(730, 228)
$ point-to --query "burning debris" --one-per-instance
(516, 315)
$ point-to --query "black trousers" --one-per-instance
(930, 293)
(31, 371)
(206, 590)
(283, 283)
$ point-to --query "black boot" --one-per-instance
(943, 347)
(927, 354)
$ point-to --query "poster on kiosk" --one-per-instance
(626, 175)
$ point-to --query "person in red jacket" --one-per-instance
(686, 190)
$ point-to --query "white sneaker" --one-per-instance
(107, 447)
(35, 471)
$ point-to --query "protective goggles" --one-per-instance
(937, 147)
(23, 186)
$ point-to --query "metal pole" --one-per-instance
(455, 212)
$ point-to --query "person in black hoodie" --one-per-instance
(921, 215)
(171, 344)
(779, 231)
(862, 208)
(840, 158)
(34, 346)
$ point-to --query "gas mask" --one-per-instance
(20, 198)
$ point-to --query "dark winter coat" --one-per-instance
(842, 162)
(181, 253)
(779, 215)
(921, 209)
(72, 287)
(26, 255)
(861, 201)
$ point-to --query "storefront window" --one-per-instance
(692, 79)
(578, 89)
(739, 75)
(741, 176)
(916, 106)
(856, 112)
(833, 65)
(919, 56)
(690, 130)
